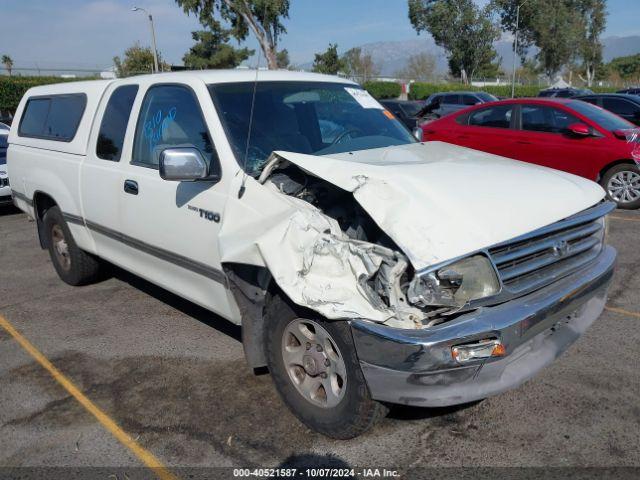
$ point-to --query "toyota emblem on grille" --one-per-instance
(560, 248)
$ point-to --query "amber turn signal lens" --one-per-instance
(499, 351)
(478, 350)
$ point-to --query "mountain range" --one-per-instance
(393, 55)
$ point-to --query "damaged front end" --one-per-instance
(439, 315)
(330, 256)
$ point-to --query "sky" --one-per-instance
(89, 33)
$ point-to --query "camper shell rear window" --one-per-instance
(53, 117)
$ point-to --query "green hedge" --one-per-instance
(420, 91)
(13, 88)
(383, 90)
(606, 89)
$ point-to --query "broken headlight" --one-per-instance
(455, 284)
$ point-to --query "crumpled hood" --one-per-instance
(438, 201)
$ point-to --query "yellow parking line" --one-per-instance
(144, 455)
(622, 311)
(624, 218)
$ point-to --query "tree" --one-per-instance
(465, 30)
(555, 32)
(507, 11)
(627, 68)
(594, 21)
(137, 60)
(8, 63)
(262, 17)
(212, 50)
(420, 67)
(563, 31)
(282, 59)
(528, 71)
(360, 65)
(329, 61)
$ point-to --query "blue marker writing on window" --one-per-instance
(155, 128)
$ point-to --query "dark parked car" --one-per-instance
(5, 190)
(630, 91)
(564, 92)
(625, 106)
(5, 117)
(441, 104)
(560, 133)
(3, 145)
(405, 111)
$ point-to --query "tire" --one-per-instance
(73, 265)
(348, 409)
(622, 184)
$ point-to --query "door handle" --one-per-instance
(131, 186)
(522, 142)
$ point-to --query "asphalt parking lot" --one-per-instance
(172, 376)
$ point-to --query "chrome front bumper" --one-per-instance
(415, 367)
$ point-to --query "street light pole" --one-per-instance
(515, 48)
(153, 37)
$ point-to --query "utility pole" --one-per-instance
(515, 49)
(153, 37)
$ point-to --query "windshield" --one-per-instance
(411, 109)
(604, 118)
(486, 97)
(303, 117)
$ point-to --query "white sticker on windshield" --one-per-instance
(364, 98)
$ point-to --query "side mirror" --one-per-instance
(182, 164)
(417, 132)
(579, 130)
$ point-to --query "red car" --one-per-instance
(565, 134)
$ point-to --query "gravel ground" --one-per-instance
(173, 376)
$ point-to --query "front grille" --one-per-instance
(545, 255)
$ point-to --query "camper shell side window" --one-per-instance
(53, 117)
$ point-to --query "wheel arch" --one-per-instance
(610, 165)
(42, 202)
(249, 285)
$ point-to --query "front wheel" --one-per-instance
(622, 184)
(316, 371)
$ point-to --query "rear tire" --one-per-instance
(73, 265)
(327, 357)
(622, 184)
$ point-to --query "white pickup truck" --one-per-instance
(365, 268)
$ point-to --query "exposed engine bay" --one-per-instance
(387, 279)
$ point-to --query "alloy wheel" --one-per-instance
(624, 186)
(314, 363)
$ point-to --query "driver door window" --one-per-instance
(538, 118)
(469, 100)
(498, 116)
(170, 116)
